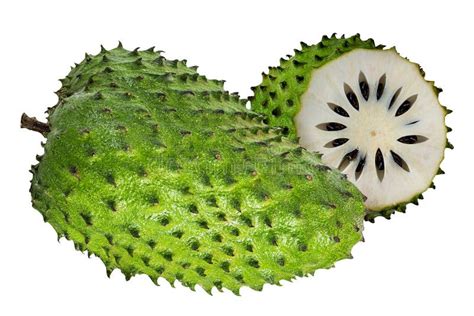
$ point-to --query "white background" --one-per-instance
(419, 263)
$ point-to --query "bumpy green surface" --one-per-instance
(159, 171)
(278, 96)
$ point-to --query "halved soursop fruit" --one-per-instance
(158, 170)
(367, 110)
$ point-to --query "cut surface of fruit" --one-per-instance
(372, 115)
(367, 110)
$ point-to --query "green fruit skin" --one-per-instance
(157, 170)
(278, 95)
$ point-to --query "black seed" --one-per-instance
(299, 79)
(410, 139)
(379, 160)
(394, 98)
(379, 164)
(353, 100)
(364, 86)
(337, 142)
(381, 86)
(353, 154)
(351, 96)
(406, 105)
(346, 160)
(289, 102)
(414, 122)
(341, 111)
(399, 161)
(337, 109)
(283, 84)
(332, 126)
(359, 168)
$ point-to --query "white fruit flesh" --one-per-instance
(375, 125)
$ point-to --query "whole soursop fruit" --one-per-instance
(157, 170)
(367, 110)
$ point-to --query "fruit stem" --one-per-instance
(33, 124)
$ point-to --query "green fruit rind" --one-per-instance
(278, 97)
(158, 170)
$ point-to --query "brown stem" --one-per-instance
(33, 124)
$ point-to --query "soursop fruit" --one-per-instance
(367, 110)
(157, 170)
